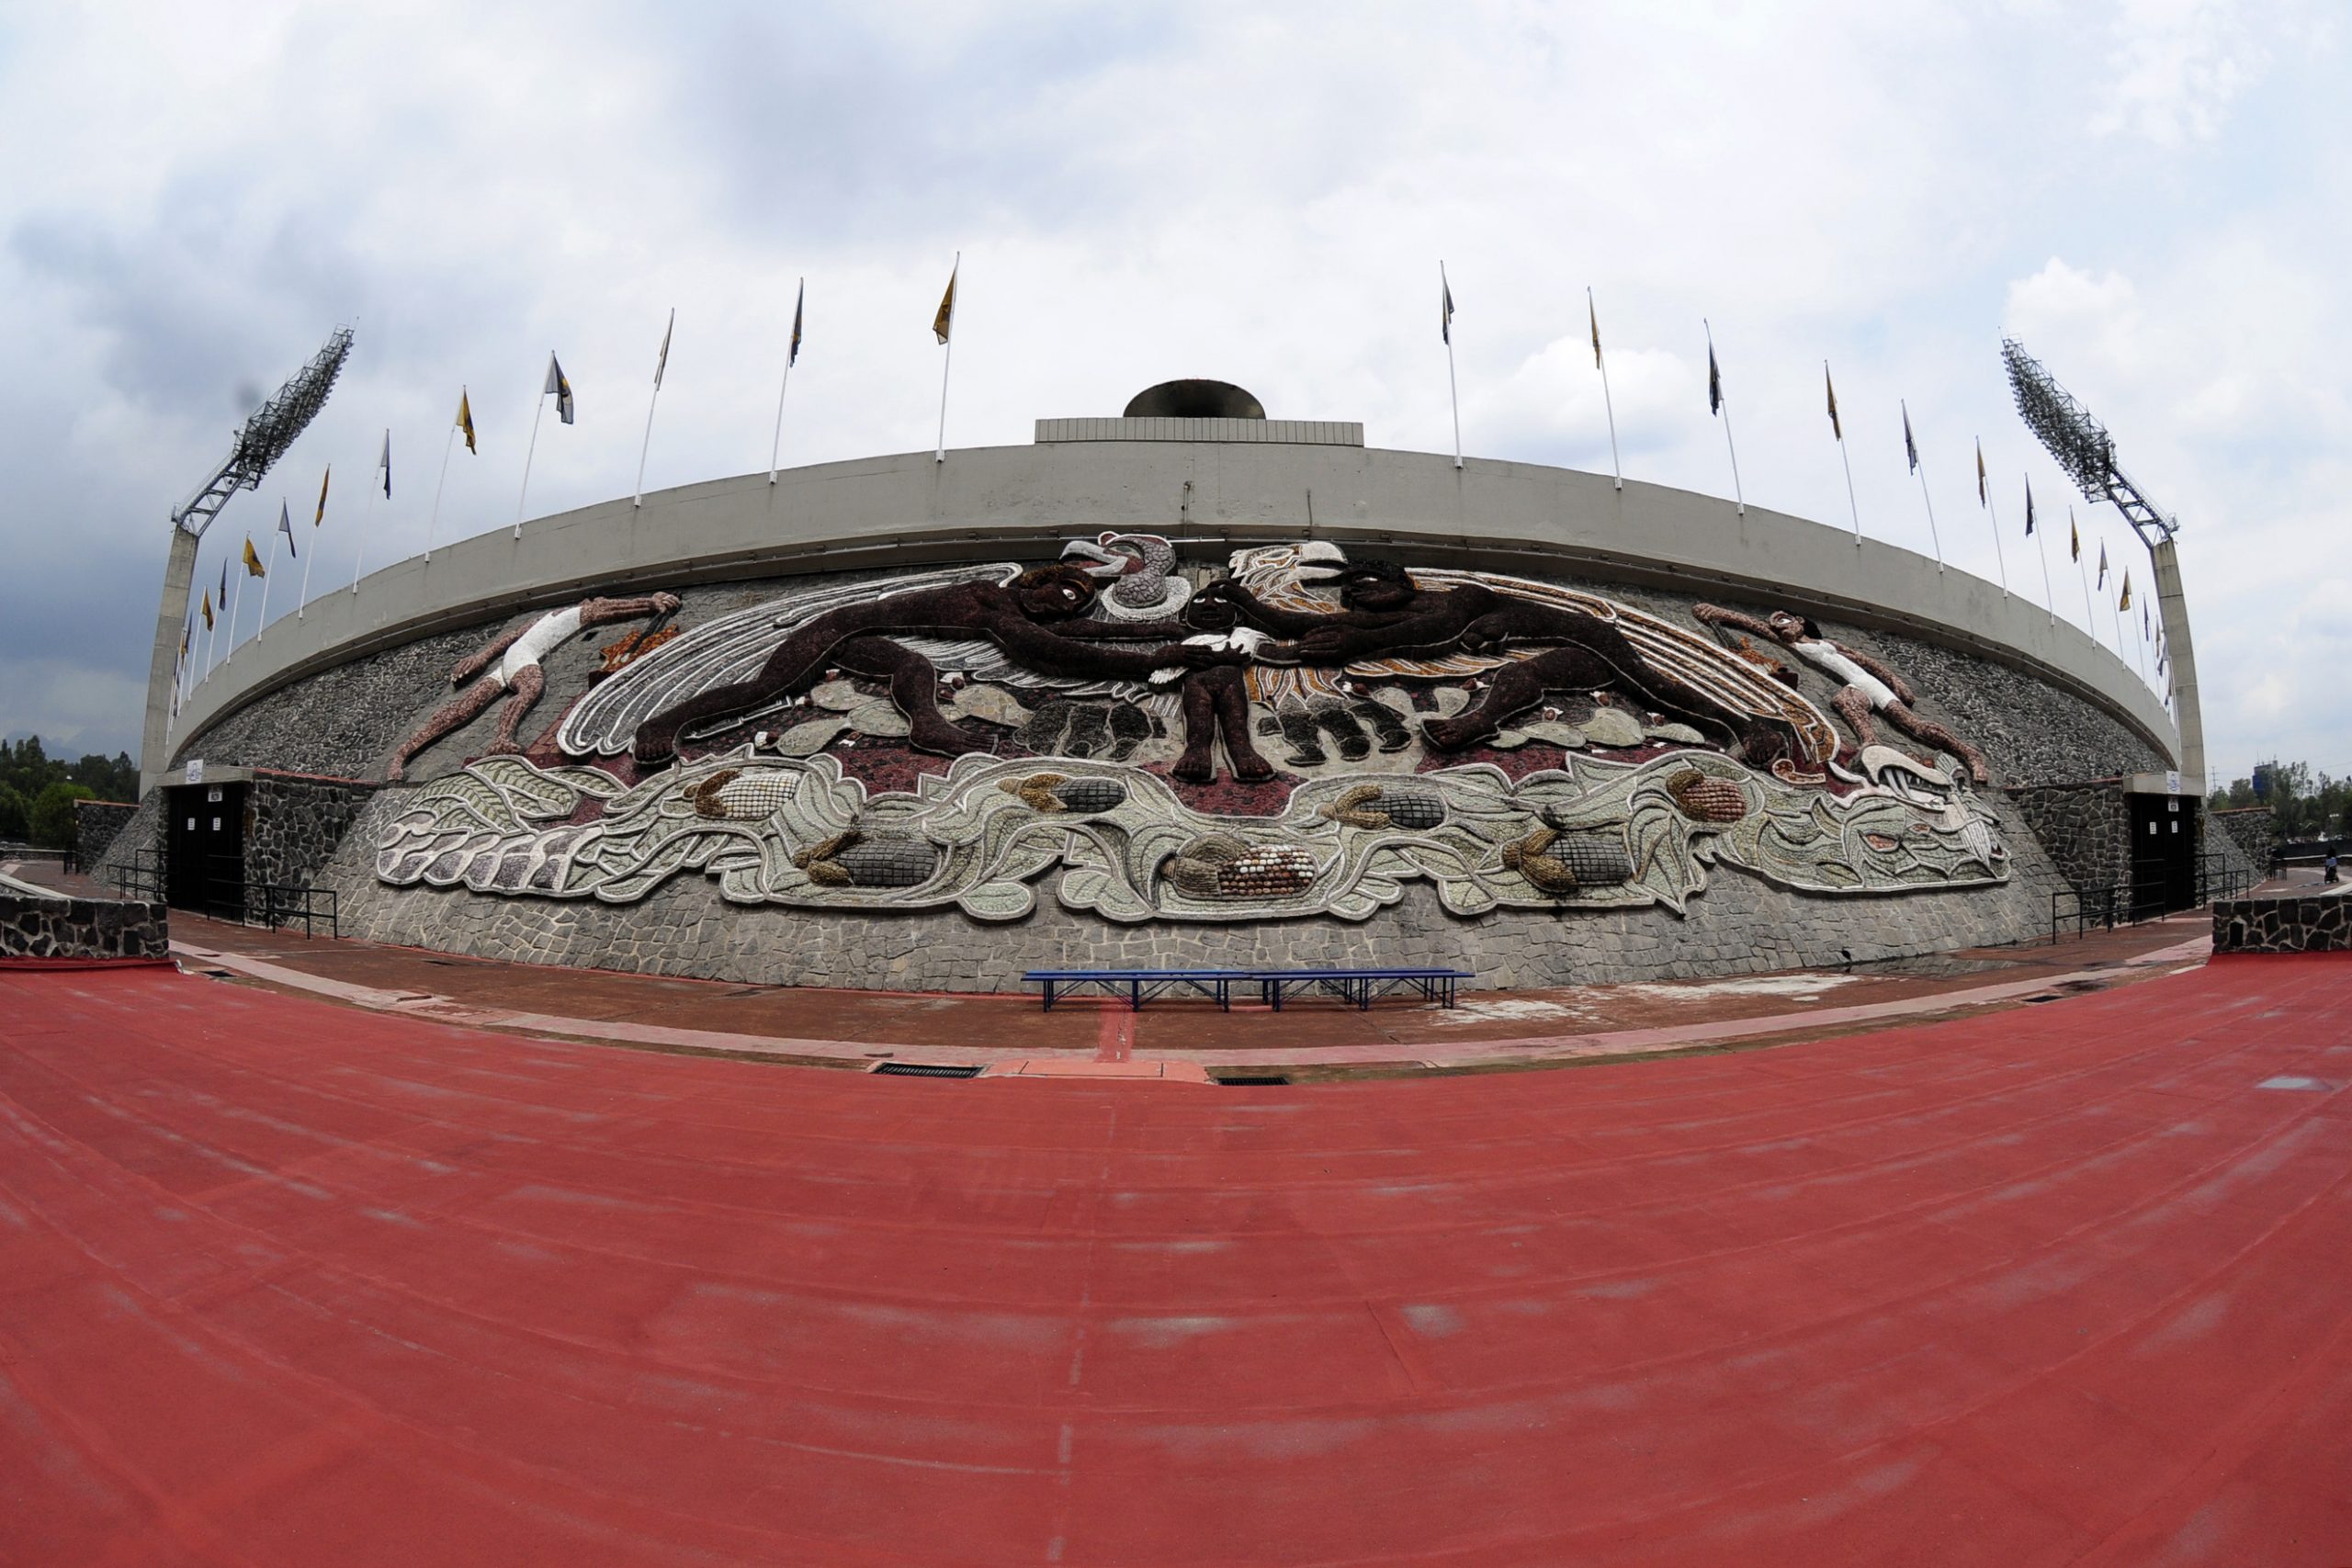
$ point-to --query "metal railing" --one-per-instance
(2143, 899)
(276, 903)
(2092, 906)
(143, 878)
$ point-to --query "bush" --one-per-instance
(14, 821)
(53, 824)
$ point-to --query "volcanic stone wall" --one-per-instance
(81, 928)
(292, 825)
(2283, 925)
(143, 829)
(346, 720)
(2085, 829)
(2252, 829)
(95, 823)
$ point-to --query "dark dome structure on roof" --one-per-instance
(1195, 399)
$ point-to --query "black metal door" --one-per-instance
(205, 850)
(2164, 854)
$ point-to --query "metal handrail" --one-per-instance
(2092, 906)
(281, 904)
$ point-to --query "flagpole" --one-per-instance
(776, 449)
(242, 574)
(538, 409)
(263, 624)
(1852, 504)
(2082, 571)
(1452, 387)
(2049, 605)
(304, 603)
(955, 275)
(367, 513)
(1920, 468)
(2000, 556)
(1738, 496)
(650, 405)
(1601, 362)
(446, 447)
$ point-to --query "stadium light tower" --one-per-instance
(2083, 447)
(259, 442)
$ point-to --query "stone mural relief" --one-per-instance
(1513, 743)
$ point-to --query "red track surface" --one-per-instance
(288, 1284)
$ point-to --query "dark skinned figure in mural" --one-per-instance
(1384, 614)
(1039, 620)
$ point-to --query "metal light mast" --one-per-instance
(2083, 447)
(257, 444)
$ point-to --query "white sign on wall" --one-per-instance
(196, 770)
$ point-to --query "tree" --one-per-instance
(14, 818)
(53, 822)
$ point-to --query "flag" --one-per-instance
(561, 387)
(1910, 447)
(385, 463)
(1714, 382)
(2029, 510)
(1445, 308)
(2074, 537)
(253, 561)
(285, 527)
(663, 362)
(1835, 428)
(792, 354)
(1984, 497)
(2125, 602)
(2145, 630)
(208, 610)
(2102, 563)
(946, 319)
(322, 496)
(1594, 316)
(223, 595)
(466, 421)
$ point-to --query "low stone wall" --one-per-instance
(2283, 925)
(81, 928)
(95, 825)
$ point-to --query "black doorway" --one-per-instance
(205, 850)
(2164, 854)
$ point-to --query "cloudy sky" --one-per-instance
(2153, 194)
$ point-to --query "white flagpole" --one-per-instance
(954, 276)
(1852, 505)
(1600, 362)
(263, 624)
(304, 603)
(1453, 388)
(792, 352)
(446, 447)
(650, 405)
(538, 408)
(1737, 496)
(2000, 557)
(376, 480)
(2082, 571)
(2049, 602)
(1934, 538)
(243, 574)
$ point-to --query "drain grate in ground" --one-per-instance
(2042, 996)
(1251, 1080)
(923, 1070)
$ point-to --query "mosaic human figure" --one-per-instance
(508, 667)
(1040, 619)
(1384, 613)
(1866, 685)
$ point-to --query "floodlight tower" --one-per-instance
(258, 444)
(2083, 447)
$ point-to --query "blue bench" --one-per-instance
(1357, 986)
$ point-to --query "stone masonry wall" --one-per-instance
(2283, 925)
(2252, 827)
(345, 721)
(95, 823)
(292, 825)
(81, 928)
(143, 829)
(2085, 829)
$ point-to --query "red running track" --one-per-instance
(282, 1283)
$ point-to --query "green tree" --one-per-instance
(53, 814)
(14, 818)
